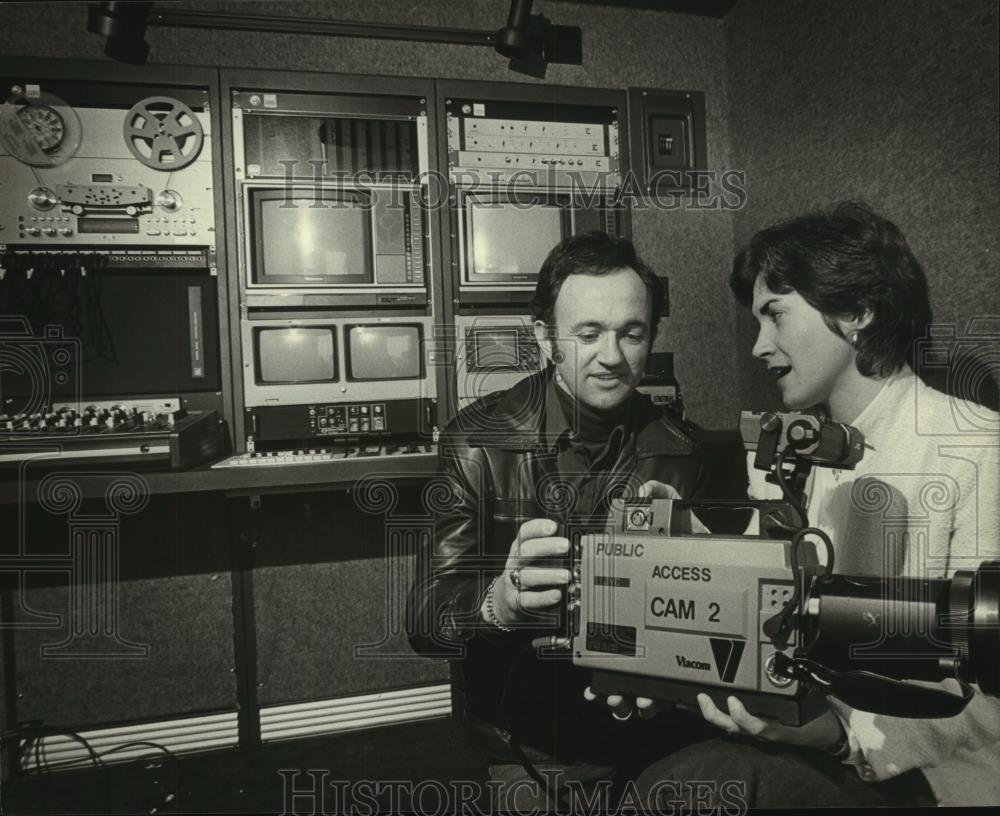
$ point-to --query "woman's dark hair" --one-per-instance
(592, 253)
(844, 263)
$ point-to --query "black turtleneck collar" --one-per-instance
(591, 424)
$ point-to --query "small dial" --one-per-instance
(45, 125)
(42, 198)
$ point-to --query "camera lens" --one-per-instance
(910, 628)
(983, 633)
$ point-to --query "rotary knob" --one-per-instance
(42, 198)
(770, 423)
(169, 200)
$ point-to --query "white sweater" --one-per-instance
(924, 502)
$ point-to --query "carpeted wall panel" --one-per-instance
(893, 102)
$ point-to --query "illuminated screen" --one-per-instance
(296, 355)
(495, 348)
(510, 241)
(328, 242)
(384, 352)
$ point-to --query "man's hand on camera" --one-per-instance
(527, 587)
(653, 489)
(822, 733)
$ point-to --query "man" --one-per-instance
(532, 468)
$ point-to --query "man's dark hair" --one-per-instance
(843, 263)
(592, 253)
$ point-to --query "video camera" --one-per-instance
(657, 610)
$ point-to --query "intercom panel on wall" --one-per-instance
(667, 138)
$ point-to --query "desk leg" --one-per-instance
(240, 513)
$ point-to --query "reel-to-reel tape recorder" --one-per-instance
(106, 170)
(108, 241)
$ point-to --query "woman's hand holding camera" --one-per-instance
(825, 733)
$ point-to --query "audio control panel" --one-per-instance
(410, 419)
(353, 418)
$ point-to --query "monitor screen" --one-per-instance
(287, 354)
(300, 242)
(384, 352)
(512, 241)
(495, 349)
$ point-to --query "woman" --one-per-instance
(841, 302)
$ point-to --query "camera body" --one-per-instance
(810, 439)
(658, 611)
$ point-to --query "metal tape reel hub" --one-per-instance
(163, 133)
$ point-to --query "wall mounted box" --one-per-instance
(667, 138)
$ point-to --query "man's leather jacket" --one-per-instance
(502, 472)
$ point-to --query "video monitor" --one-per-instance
(504, 236)
(495, 349)
(291, 354)
(384, 352)
(311, 237)
(507, 241)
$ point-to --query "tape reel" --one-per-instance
(163, 133)
(41, 131)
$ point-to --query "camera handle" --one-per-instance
(867, 691)
(792, 482)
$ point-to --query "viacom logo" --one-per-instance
(727, 657)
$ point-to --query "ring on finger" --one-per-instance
(515, 578)
(623, 717)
